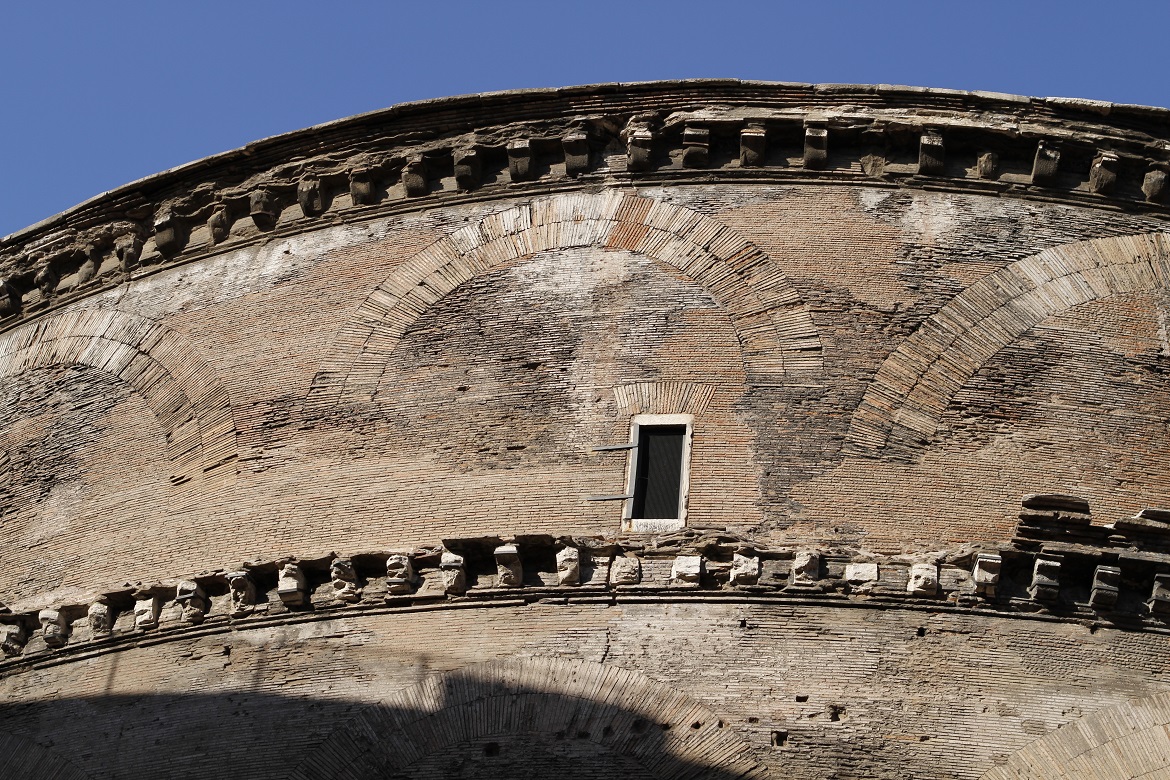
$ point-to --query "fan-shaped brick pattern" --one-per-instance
(912, 388)
(776, 333)
(179, 387)
(541, 711)
(23, 759)
(663, 397)
(1125, 742)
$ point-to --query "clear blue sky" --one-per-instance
(96, 94)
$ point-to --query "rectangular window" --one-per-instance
(658, 472)
(659, 469)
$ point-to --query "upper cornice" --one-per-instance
(1082, 152)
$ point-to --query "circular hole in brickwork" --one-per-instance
(491, 749)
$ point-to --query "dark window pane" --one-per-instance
(659, 472)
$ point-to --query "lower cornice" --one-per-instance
(1059, 569)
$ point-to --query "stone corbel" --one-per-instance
(509, 571)
(806, 567)
(568, 566)
(931, 154)
(54, 627)
(310, 196)
(625, 570)
(696, 147)
(100, 618)
(147, 607)
(816, 144)
(193, 599)
(453, 573)
(686, 571)
(361, 186)
(521, 162)
(343, 577)
(986, 574)
(219, 224)
(414, 177)
(745, 570)
(576, 149)
(1045, 585)
(639, 149)
(291, 585)
(13, 637)
(753, 146)
(243, 594)
(263, 208)
(128, 248)
(1045, 164)
(1154, 185)
(1106, 587)
(923, 580)
(400, 576)
(1159, 601)
(168, 239)
(468, 168)
(1103, 173)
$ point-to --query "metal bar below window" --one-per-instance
(607, 498)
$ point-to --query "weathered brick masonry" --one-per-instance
(311, 465)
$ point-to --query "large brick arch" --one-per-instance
(608, 711)
(1123, 742)
(23, 759)
(180, 388)
(776, 333)
(914, 385)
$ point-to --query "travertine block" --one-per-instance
(931, 154)
(509, 572)
(54, 627)
(985, 574)
(12, 639)
(696, 147)
(243, 594)
(625, 570)
(568, 565)
(1045, 578)
(686, 570)
(753, 146)
(147, 607)
(100, 618)
(310, 196)
(745, 570)
(454, 576)
(861, 572)
(291, 585)
(1106, 587)
(400, 576)
(1159, 601)
(806, 567)
(344, 580)
(923, 579)
(193, 600)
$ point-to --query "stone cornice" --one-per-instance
(1060, 567)
(497, 145)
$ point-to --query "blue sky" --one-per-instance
(94, 95)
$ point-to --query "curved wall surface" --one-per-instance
(315, 457)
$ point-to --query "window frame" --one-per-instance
(633, 524)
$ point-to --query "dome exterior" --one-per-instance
(684, 429)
